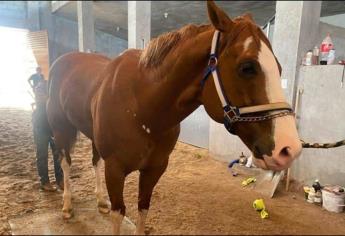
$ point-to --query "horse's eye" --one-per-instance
(247, 69)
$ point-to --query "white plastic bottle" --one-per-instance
(308, 58)
(331, 57)
(325, 47)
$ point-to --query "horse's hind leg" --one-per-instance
(67, 210)
(64, 140)
(97, 165)
(115, 179)
(147, 180)
(65, 135)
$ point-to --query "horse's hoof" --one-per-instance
(103, 209)
(67, 214)
(140, 232)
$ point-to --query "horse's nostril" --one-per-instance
(285, 152)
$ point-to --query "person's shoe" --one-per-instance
(60, 185)
(47, 187)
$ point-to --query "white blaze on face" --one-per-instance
(246, 43)
(269, 67)
(285, 132)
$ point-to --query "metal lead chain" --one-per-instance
(260, 118)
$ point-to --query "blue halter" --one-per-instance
(233, 114)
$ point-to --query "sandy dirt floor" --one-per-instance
(196, 195)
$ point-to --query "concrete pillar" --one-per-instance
(86, 29)
(139, 23)
(33, 15)
(295, 32)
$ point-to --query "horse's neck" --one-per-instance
(174, 93)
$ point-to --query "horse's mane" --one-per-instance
(159, 47)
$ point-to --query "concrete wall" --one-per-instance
(62, 33)
(223, 145)
(13, 14)
(336, 20)
(65, 38)
(321, 117)
(109, 44)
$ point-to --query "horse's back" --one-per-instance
(73, 79)
(73, 65)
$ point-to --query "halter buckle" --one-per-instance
(213, 61)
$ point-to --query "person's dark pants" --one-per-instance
(42, 142)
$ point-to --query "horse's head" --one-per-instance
(249, 74)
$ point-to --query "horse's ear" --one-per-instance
(218, 17)
(249, 17)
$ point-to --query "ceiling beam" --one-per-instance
(56, 5)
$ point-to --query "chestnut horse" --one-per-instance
(131, 107)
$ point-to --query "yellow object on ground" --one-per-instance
(264, 214)
(248, 181)
(259, 205)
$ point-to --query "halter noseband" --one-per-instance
(233, 114)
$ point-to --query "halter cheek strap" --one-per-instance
(232, 113)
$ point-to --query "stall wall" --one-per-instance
(321, 119)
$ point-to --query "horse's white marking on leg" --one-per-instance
(67, 195)
(246, 43)
(101, 201)
(148, 130)
(144, 127)
(116, 218)
(140, 229)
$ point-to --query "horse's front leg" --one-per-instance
(147, 181)
(97, 165)
(115, 179)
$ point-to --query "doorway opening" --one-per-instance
(17, 64)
